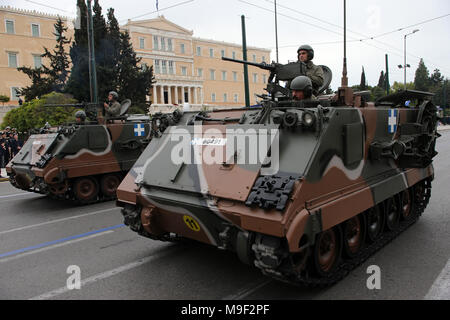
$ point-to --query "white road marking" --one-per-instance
(104, 275)
(20, 194)
(440, 290)
(20, 255)
(55, 221)
(247, 290)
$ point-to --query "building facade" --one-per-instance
(23, 36)
(187, 69)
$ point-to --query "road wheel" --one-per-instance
(353, 233)
(327, 251)
(374, 223)
(406, 204)
(109, 184)
(392, 213)
(86, 189)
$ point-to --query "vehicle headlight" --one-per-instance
(308, 118)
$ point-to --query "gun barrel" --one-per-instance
(262, 65)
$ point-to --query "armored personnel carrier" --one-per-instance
(84, 162)
(303, 190)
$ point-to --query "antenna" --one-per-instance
(276, 29)
(344, 80)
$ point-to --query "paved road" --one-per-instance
(41, 238)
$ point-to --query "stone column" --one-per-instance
(162, 94)
(189, 95)
(201, 95)
(169, 93)
(155, 96)
(182, 94)
(195, 95)
(176, 94)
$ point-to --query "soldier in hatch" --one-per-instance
(112, 108)
(305, 54)
(301, 88)
(80, 117)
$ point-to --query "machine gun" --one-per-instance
(285, 72)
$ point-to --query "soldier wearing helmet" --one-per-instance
(112, 107)
(80, 117)
(305, 54)
(301, 88)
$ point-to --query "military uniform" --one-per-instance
(315, 73)
(113, 110)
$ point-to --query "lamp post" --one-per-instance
(404, 48)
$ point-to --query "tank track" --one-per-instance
(42, 188)
(286, 273)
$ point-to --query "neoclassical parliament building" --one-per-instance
(187, 69)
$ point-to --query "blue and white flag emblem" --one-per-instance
(392, 120)
(139, 130)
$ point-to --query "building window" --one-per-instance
(155, 43)
(212, 74)
(14, 93)
(35, 30)
(10, 26)
(255, 78)
(234, 76)
(141, 43)
(169, 44)
(184, 71)
(182, 49)
(236, 97)
(213, 97)
(199, 51)
(234, 55)
(224, 75)
(144, 67)
(225, 97)
(163, 44)
(254, 58)
(263, 59)
(264, 80)
(37, 60)
(157, 66)
(164, 66)
(12, 59)
(211, 52)
(170, 67)
(200, 72)
(222, 53)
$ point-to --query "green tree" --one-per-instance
(363, 84)
(381, 80)
(399, 86)
(134, 81)
(377, 92)
(421, 79)
(33, 114)
(53, 78)
(78, 83)
(4, 99)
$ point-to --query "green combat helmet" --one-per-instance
(308, 49)
(302, 83)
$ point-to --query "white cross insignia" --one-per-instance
(139, 130)
(392, 121)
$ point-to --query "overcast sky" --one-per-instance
(317, 22)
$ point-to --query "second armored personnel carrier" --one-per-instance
(82, 162)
